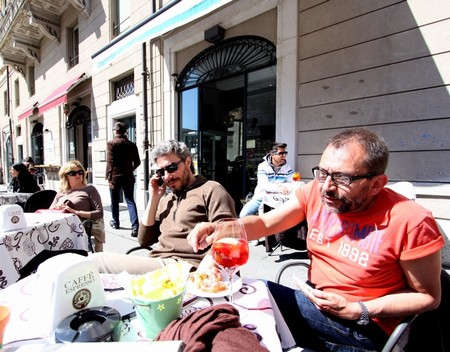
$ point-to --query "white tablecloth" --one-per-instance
(13, 198)
(271, 201)
(274, 200)
(47, 231)
(258, 315)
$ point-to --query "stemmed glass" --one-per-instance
(230, 248)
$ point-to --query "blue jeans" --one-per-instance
(320, 331)
(252, 206)
(128, 191)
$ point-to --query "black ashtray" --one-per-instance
(98, 324)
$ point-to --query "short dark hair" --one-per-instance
(377, 153)
(273, 148)
(121, 128)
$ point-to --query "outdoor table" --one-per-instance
(271, 201)
(51, 231)
(13, 198)
(259, 314)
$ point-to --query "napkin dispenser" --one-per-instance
(65, 284)
(12, 218)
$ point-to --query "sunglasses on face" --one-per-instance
(73, 173)
(170, 169)
(280, 153)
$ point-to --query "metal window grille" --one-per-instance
(229, 57)
(124, 87)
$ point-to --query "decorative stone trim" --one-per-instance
(29, 46)
(47, 23)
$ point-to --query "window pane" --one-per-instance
(123, 12)
(189, 109)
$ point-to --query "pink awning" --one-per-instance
(26, 113)
(57, 97)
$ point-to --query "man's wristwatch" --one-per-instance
(364, 318)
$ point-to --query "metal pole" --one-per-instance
(145, 117)
(11, 137)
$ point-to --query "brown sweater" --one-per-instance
(178, 214)
(83, 199)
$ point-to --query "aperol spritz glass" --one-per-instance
(230, 248)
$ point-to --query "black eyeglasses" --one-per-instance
(170, 168)
(339, 178)
(73, 173)
(280, 153)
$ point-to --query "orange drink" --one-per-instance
(230, 252)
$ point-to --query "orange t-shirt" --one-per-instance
(357, 254)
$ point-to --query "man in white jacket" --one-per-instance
(273, 175)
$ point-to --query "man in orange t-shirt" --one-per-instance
(375, 255)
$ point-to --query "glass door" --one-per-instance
(228, 125)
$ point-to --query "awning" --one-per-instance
(163, 21)
(57, 97)
(26, 113)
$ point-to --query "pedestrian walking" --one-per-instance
(121, 160)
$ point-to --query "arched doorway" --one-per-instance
(80, 137)
(227, 97)
(37, 143)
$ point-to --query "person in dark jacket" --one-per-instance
(121, 160)
(22, 181)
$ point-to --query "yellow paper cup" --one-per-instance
(4, 319)
(154, 316)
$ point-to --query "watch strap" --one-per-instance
(364, 319)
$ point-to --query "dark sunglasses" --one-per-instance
(73, 173)
(280, 153)
(170, 169)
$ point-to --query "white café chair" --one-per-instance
(405, 188)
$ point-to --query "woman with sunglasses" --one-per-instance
(77, 197)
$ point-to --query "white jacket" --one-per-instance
(270, 176)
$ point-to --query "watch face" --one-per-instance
(363, 321)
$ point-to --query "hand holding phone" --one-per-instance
(160, 182)
(302, 285)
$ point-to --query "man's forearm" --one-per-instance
(401, 304)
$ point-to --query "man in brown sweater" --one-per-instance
(170, 216)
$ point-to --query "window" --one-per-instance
(124, 87)
(5, 103)
(73, 46)
(18, 131)
(121, 16)
(31, 86)
(20, 151)
(17, 92)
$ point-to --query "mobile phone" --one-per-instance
(160, 181)
(301, 284)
